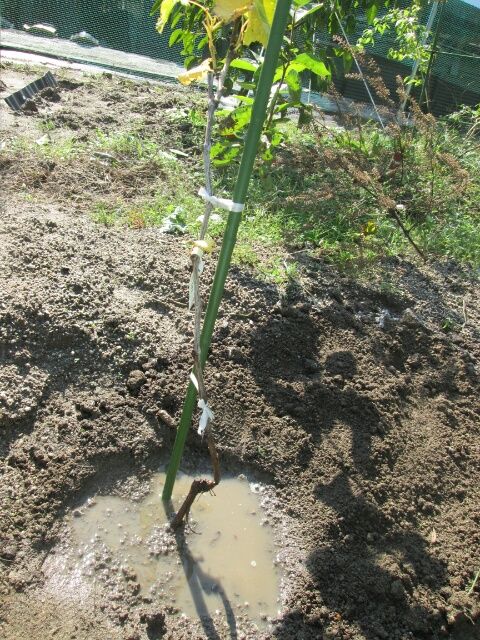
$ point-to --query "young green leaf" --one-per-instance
(237, 120)
(294, 86)
(223, 152)
(302, 14)
(244, 64)
(313, 64)
(175, 37)
(371, 12)
(292, 66)
(244, 99)
(276, 138)
(217, 149)
(166, 9)
(155, 7)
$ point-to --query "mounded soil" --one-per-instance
(356, 401)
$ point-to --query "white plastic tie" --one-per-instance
(221, 203)
(205, 417)
(196, 251)
(194, 380)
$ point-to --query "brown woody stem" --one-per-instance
(203, 485)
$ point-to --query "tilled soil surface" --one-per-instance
(357, 402)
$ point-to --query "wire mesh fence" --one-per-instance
(118, 27)
(125, 25)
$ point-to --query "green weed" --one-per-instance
(106, 214)
(128, 144)
(342, 206)
(448, 325)
(46, 125)
(197, 118)
(60, 149)
(329, 191)
(245, 255)
(473, 583)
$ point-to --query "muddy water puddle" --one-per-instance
(223, 564)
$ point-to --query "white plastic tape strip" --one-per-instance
(205, 417)
(200, 266)
(198, 251)
(222, 203)
(194, 380)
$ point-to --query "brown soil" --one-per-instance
(347, 397)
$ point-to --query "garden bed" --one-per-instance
(354, 398)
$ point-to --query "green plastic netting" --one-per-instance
(124, 37)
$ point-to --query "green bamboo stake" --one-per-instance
(254, 132)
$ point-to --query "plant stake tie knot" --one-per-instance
(206, 416)
(221, 203)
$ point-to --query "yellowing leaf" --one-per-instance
(195, 73)
(165, 10)
(229, 10)
(260, 18)
(369, 227)
(206, 245)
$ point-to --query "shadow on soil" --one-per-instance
(354, 580)
(201, 583)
